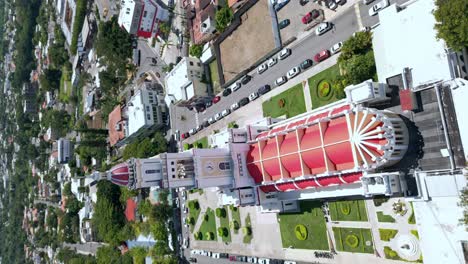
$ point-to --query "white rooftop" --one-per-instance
(136, 113)
(407, 39)
(126, 14)
(176, 80)
(461, 107)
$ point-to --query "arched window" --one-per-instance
(224, 166)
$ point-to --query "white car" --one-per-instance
(236, 86)
(336, 48)
(234, 106)
(293, 72)
(215, 255)
(262, 68)
(281, 80)
(284, 53)
(253, 96)
(263, 261)
(193, 131)
(185, 244)
(251, 259)
(322, 28)
(271, 62)
(195, 252)
(211, 120)
(225, 112)
(218, 116)
(377, 7)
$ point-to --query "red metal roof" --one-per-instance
(287, 186)
(120, 174)
(327, 181)
(130, 210)
(309, 183)
(352, 177)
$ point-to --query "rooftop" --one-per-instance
(114, 118)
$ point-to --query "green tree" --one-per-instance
(196, 50)
(80, 14)
(464, 204)
(67, 189)
(360, 68)
(223, 18)
(160, 248)
(452, 22)
(50, 79)
(360, 43)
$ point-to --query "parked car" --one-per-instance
(208, 104)
(263, 261)
(307, 18)
(281, 80)
(236, 86)
(193, 260)
(284, 23)
(185, 135)
(366, 2)
(227, 92)
(264, 89)
(193, 131)
(186, 210)
(199, 128)
(303, 2)
(225, 112)
(218, 116)
(276, 261)
(306, 64)
(332, 4)
(235, 106)
(185, 243)
(216, 99)
(284, 53)
(336, 48)
(322, 28)
(246, 79)
(280, 5)
(262, 68)
(252, 259)
(215, 255)
(195, 252)
(271, 62)
(253, 96)
(293, 72)
(205, 124)
(377, 7)
(321, 56)
(211, 120)
(243, 101)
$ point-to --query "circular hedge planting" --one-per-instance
(352, 241)
(324, 90)
(345, 209)
(281, 102)
(301, 232)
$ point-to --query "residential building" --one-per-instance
(236, 4)
(142, 17)
(144, 113)
(29, 98)
(185, 85)
(65, 150)
(201, 17)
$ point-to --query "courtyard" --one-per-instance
(322, 91)
(289, 103)
(348, 210)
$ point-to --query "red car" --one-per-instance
(321, 56)
(216, 99)
(310, 16)
(185, 135)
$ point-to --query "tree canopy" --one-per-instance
(452, 22)
(146, 148)
(196, 50)
(223, 18)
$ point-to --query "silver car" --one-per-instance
(234, 106)
(281, 80)
(322, 28)
(293, 72)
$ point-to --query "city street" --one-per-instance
(345, 24)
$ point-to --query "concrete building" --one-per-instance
(65, 150)
(144, 113)
(184, 84)
(142, 17)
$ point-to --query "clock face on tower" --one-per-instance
(209, 166)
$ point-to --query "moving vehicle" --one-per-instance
(336, 48)
(271, 62)
(264, 89)
(321, 56)
(378, 7)
(306, 64)
(281, 80)
(216, 99)
(284, 53)
(244, 101)
(246, 79)
(262, 68)
(227, 92)
(322, 28)
(253, 96)
(293, 72)
(284, 23)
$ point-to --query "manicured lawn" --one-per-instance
(327, 75)
(311, 216)
(387, 234)
(294, 103)
(210, 225)
(201, 143)
(224, 222)
(215, 76)
(348, 210)
(385, 218)
(353, 240)
(415, 233)
(193, 213)
(65, 85)
(235, 214)
(247, 223)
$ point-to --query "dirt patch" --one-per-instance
(252, 40)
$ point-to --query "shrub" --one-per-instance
(191, 221)
(223, 232)
(246, 230)
(220, 212)
(209, 235)
(281, 102)
(206, 217)
(199, 236)
(196, 51)
(324, 88)
(379, 201)
(352, 241)
(387, 234)
(234, 225)
(301, 232)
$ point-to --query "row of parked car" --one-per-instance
(215, 255)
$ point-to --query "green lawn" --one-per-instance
(328, 75)
(224, 222)
(311, 216)
(193, 213)
(215, 77)
(247, 223)
(203, 143)
(362, 235)
(415, 233)
(210, 225)
(235, 214)
(65, 85)
(387, 234)
(294, 103)
(348, 210)
(385, 218)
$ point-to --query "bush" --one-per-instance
(234, 225)
(352, 241)
(223, 18)
(191, 221)
(196, 205)
(387, 234)
(209, 235)
(223, 232)
(301, 232)
(196, 51)
(379, 201)
(246, 230)
(220, 212)
(199, 236)
(206, 217)
(391, 254)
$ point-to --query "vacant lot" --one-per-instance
(353, 240)
(348, 210)
(290, 103)
(311, 216)
(320, 94)
(215, 77)
(252, 40)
